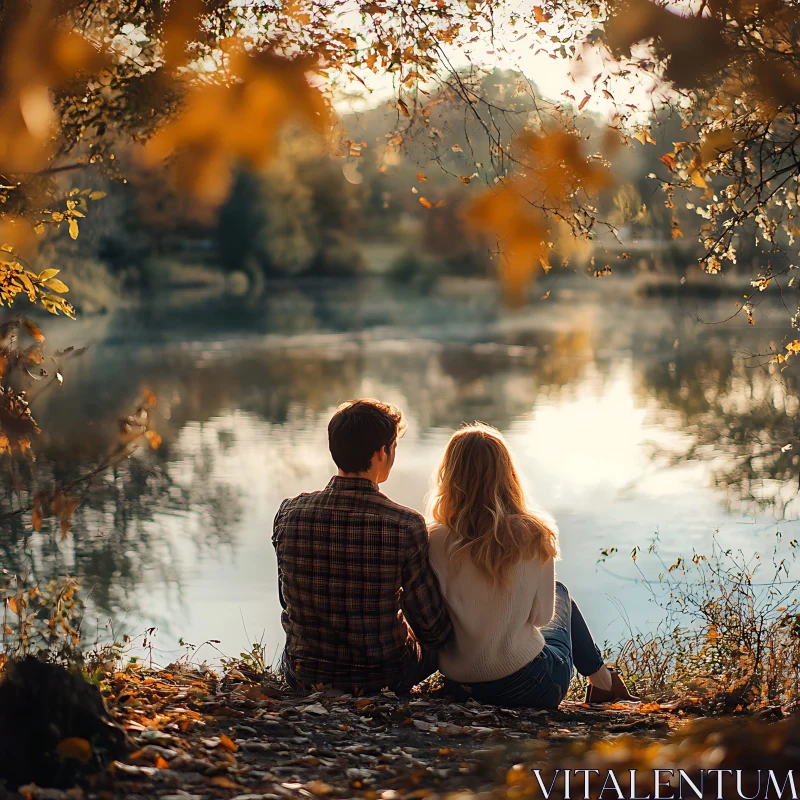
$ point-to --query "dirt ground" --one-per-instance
(195, 735)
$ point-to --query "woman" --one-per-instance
(517, 631)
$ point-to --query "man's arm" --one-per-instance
(422, 601)
(277, 530)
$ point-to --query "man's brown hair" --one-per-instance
(361, 427)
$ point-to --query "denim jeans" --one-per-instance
(544, 682)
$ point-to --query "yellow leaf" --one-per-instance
(716, 143)
(794, 347)
(55, 285)
(427, 203)
(75, 748)
(698, 180)
(540, 15)
(48, 273)
(73, 228)
(7, 247)
(97, 195)
(57, 216)
(12, 604)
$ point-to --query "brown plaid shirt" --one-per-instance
(352, 569)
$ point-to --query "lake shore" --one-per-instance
(197, 734)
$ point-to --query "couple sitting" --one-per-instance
(372, 598)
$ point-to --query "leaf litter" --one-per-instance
(240, 735)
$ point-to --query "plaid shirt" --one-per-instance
(352, 569)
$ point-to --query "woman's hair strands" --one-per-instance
(480, 500)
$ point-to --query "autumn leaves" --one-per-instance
(532, 213)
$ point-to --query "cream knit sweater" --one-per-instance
(496, 628)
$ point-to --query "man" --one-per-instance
(353, 571)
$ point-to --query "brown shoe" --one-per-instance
(618, 691)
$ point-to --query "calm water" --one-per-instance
(628, 417)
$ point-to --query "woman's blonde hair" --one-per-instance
(480, 499)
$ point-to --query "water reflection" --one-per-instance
(588, 390)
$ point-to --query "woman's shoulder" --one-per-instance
(437, 531)
(437, 537)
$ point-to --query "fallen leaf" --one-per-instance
(75, 748)
(228, 743)
(318, 788)
(648, 708)
(223, 782)
(315, 708)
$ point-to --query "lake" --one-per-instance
(629, 417)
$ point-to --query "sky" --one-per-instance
(518, 47)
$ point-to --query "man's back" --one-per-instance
(348, 559)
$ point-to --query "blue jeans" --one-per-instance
(544, 682)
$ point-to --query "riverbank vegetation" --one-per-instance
(141, 133)
(729, 648)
